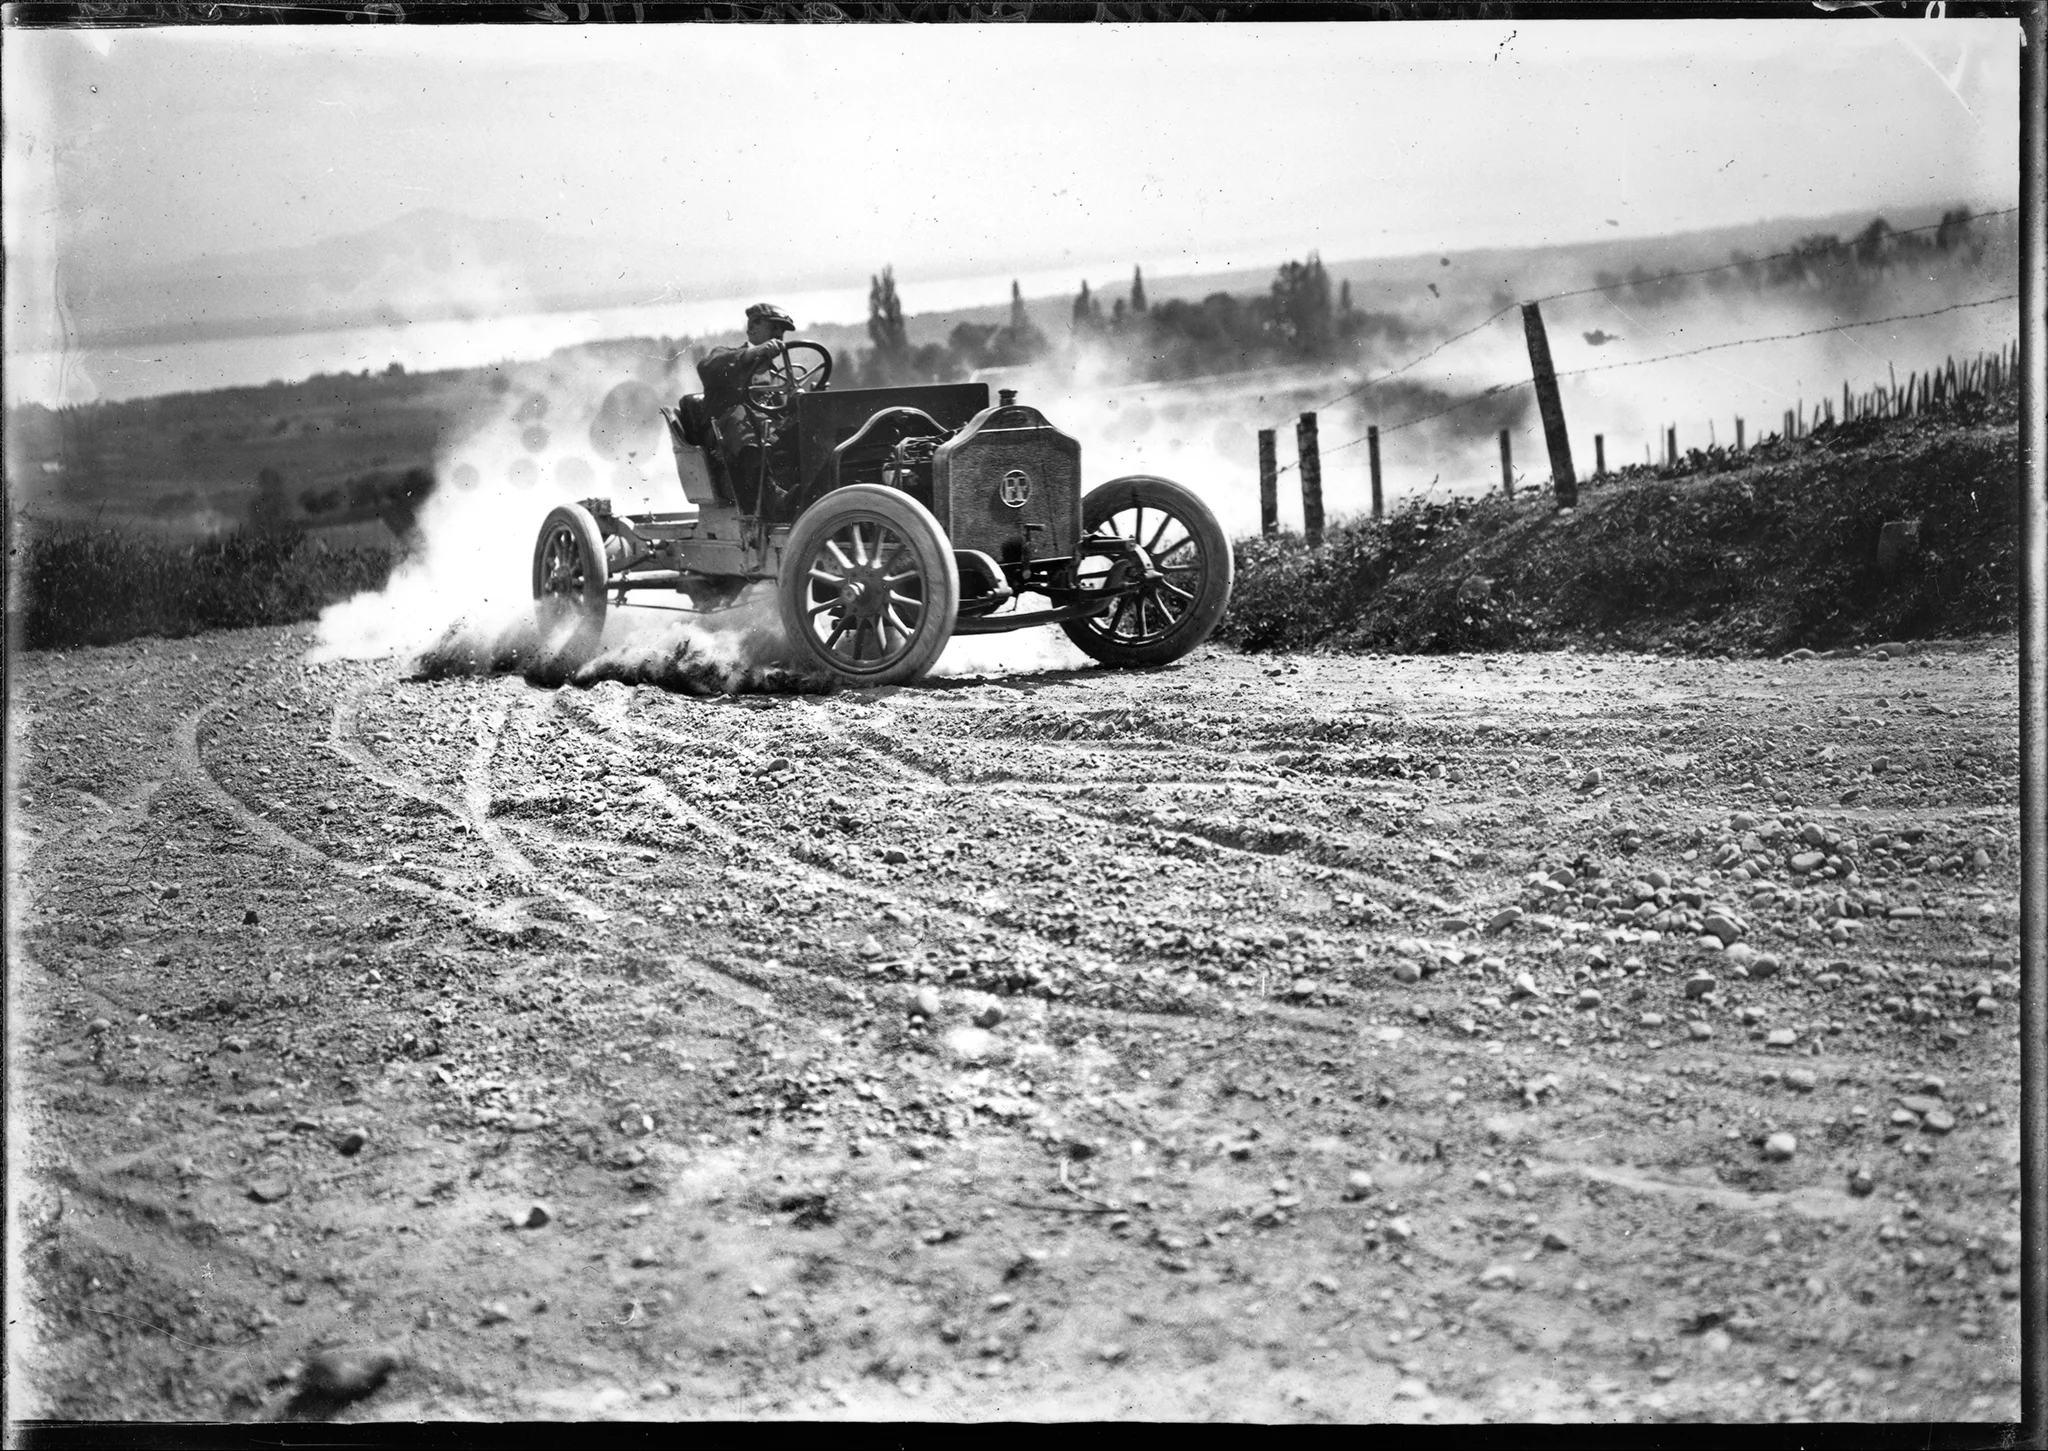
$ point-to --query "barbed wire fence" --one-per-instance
(1923, 390)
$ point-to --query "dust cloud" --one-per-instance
(1440, 419)
(582, 424)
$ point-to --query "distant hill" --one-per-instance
(428, 266)
(435, 265)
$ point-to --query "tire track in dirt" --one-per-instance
(730, 985)
(193, 770)
(476, 810)
(732, 989)
(793, 868)
(25, 848)
(185, 747)
(793, 865)
(911, 773)
(892, 754)
(66, 836)
(472, 810)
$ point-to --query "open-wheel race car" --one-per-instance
(890, 520)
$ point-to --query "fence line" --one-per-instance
(1423, 358)
(1640, 282)
(1840, 327)
(1497, 389)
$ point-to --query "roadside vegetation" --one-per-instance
(81, 586)
(1763, 551)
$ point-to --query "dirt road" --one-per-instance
(1348, 1046)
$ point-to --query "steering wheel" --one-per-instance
(796, 367)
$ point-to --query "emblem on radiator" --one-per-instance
(1016, 488)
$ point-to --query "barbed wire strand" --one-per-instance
(1638, 282)
(1783, 337)
(1499, 388)
(1425, 357)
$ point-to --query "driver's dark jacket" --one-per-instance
(725, 372)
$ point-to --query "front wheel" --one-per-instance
(569, 581)
(869, 590)
(1165, 613)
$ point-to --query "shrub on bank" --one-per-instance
(1289, 595)
(1762, 551)
(78, 586)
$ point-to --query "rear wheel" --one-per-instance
(1162, 618)
(569, 580)
(869, 590)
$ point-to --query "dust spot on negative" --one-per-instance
(626, 422)
(575, 472)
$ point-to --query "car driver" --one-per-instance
(726, 372)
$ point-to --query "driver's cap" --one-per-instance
(769, 313)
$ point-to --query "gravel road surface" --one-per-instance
(1560, 1037)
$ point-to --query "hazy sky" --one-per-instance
(798, 155)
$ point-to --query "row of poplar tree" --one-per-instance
(1297, 319)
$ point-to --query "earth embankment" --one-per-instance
(1760, 552)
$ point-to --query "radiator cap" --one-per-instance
(1005, 397)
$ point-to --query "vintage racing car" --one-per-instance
(890, 520)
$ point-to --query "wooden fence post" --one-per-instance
(1671, 445)
(1507, 465)
(1311, 477)
(1372, 452)
(1738, 435)
(1562, 479)
(1599, 455)
(1269, 485)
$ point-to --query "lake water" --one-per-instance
(139, 371)
(83, 374)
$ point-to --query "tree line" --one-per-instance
(1823, 262)
(1298, 319)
